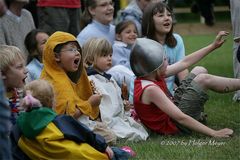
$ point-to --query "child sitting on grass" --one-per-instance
(155, 107)
(42, 134)
(63, 68)
(98, 53)
(14, 73)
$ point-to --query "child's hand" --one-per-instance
(226, 132)
(127, 105)
(109, 152)
(95, 100)
(219, 40)
(77, 114)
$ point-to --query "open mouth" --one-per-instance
(76, 61)
(24, 79)
(166, 24)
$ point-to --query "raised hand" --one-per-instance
(219, 40)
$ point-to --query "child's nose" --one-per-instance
(77, 53)
(25, 70)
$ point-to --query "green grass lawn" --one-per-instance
(222, 112)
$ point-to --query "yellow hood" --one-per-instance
(69, 95)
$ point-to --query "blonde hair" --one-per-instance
(8, 54)
(94, 48)
(41, 90)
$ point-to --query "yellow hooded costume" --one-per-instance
(69, 94)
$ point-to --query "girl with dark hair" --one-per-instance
(96, 21)
(34, 42)
(157, 25)
(126, 35)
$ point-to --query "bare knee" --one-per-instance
(199, 70)
(203, 79)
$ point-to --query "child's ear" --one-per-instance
(118, 37)
(91, 11)
(57, 57)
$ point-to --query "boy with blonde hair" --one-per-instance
(14, 73)
(113, 110)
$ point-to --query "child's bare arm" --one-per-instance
(155, 95)
(196, 56)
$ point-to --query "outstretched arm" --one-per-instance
(196, 56)
(155, 95)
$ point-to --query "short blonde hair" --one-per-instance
(94, 48)
(8, 54)
(41, 90)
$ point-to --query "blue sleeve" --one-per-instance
(116, 56)
(78, 132)
(180, 49)
(121, 56)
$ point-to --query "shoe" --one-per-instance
(236, 98)
(209, 23)
(129, 150)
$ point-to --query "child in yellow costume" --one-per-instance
(63, 68)
(42, 134)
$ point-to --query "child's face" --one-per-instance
(103, 63)
(41, 38)
(103, 12)
(16, 74)
(128, 35)
(69, 57)
(162, 70)
(163, 22)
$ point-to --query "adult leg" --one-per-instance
(74, 16)
(52, 19)
(235, 11)
(236, 68)
(206, 9)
